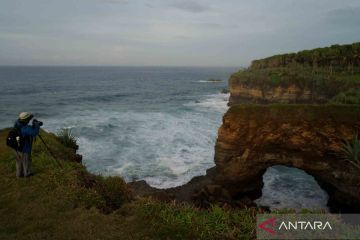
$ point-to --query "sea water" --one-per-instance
(157, 124)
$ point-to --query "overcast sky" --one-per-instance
(169, 32)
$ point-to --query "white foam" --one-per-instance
(291, 188)
(209, 81)
(165, 149)
(217, 102)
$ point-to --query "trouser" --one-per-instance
(23, 164)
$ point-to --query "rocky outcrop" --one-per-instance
(253, 138)
(201, 191)
(183, 193)
(242, 93)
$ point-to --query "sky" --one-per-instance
(169, 32)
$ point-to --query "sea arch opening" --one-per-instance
(293, 188)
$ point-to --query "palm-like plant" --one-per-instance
(351, 151)
(67, 138)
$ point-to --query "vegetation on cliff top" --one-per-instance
(336, 57)
(326, 72)
(70, 203)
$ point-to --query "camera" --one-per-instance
(35, 121)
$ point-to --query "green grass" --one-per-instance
(185, 221)
(69, 203)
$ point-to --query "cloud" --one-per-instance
(190, 6)
(175, 32)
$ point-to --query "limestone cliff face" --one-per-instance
(253, 138)
(241, 93)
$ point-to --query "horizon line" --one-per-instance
(134, 66)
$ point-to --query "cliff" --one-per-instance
(309, 137)
(255, 137)
(312, 76)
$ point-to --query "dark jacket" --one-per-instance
(27, 132)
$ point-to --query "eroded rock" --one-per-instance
(309, 137)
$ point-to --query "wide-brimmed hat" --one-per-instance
(25, 116)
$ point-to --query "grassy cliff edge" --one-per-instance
(69, 203)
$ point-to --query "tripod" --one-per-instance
(49, 150)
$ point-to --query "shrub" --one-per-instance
(351, 96)
(67, 138)
(108, 193)
(351, 151)
(113, 190)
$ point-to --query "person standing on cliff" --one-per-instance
(27, 133)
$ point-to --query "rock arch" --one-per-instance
(308, 137)
(287, 187)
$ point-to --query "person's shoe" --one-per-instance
(29, 175)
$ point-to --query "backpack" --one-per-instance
(15, 140)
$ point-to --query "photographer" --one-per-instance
(27, 134)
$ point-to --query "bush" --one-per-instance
(67, 138)
(351, 151)
(109, 193)
(351, 96)
(113, 190)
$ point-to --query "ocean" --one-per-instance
(157, 124)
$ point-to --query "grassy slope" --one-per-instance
(69, 203)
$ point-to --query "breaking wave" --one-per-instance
(286, 187)
(166, 149)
